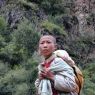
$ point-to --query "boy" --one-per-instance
(55, 76)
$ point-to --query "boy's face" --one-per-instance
(47, 45)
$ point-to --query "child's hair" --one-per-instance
(53, 38)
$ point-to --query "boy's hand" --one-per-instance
(40, 76)
(46, 74)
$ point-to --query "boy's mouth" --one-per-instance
(45, 50)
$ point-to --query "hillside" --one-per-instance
(22, 22)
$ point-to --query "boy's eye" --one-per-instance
(48, 42)
(41, 43)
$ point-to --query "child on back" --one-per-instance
(55, 76)
(65, 56)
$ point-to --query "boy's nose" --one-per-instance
(45, 44)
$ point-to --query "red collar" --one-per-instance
(47, 64)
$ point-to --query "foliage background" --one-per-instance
(22, 22)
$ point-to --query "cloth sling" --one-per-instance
(45, 85)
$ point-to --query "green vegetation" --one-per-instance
(29, 4)
(17, 68)
(52, 28)
(89, 84)
(2, 23)
(21, 24)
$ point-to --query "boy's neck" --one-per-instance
(49, 58)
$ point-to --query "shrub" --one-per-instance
(2, 23)
(89, 84)
(52, 28)
(26, 36)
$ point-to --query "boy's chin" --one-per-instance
(47, 56)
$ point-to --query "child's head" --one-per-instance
(47, 45)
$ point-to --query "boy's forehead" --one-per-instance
(47, 38)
